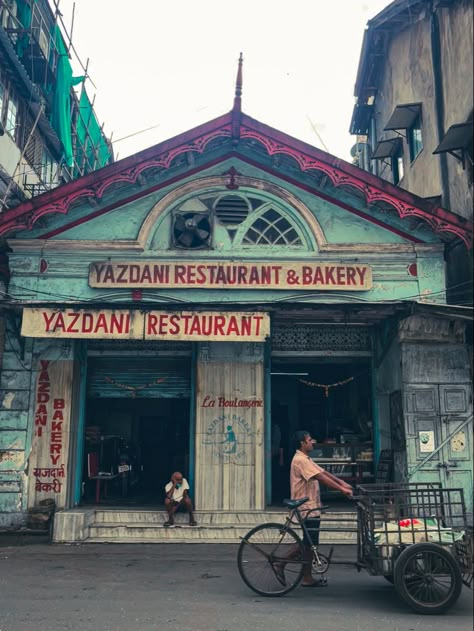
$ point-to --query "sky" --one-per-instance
(172, 65)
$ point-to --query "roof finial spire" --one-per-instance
(238, 87)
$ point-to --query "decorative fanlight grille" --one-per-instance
(309, 338)
(271, 228)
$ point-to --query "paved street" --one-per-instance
(188, 588)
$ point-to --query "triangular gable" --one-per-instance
(242, 136)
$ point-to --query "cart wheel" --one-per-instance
(271, 559)
(427, 578)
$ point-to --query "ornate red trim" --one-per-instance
(308, 158)
(453, 225)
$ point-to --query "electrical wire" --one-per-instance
(63, 352)
(125, 291)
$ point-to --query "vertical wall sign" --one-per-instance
(229, 469)
(47, 462)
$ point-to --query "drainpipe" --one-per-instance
(439, 102)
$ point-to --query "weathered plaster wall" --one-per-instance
(408, 78)
(16, 376)
(17, 407)
(456, 32)
(437, 397)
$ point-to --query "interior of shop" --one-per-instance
(333, 401)
(131, 448)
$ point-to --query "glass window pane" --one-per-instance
(12, 111)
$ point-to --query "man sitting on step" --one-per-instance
(177, 499)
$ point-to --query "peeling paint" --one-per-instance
(8, 400)
(11, 460)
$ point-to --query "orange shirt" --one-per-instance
(301, 484)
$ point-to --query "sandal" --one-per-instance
(320, 583)
(193, 523)
(169, 524)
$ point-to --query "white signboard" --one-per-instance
(152, 325)
(427, 441)
(231, 275)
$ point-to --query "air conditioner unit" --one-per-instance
(43, 42)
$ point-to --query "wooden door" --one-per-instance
(438, 414)
(456, 428)
(229, 469)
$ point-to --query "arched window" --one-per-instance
(270, 227)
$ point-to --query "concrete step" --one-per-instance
(130, 516)
(116, 525)
(147, 527)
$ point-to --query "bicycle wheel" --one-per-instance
(270, 559)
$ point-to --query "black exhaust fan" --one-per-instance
(191, 230)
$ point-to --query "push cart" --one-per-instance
(414, 535)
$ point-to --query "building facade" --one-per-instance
(49, 133)
(196, 303)
(413, 116)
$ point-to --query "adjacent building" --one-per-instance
(413, 116)
(49, 133)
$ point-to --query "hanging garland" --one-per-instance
(326, 386)
(133, 389)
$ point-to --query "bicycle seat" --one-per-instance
(295, 503)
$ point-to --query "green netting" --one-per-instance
(61, 114)
(92, 148)
(23, 14)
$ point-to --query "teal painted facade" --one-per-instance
(132, 220)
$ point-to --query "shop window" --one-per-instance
(415, 139)
(271, 228)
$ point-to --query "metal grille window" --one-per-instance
(34, 149)
(271, 228)
(310, 338)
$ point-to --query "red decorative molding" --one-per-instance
(25, 216)
(447, 222)
(341, 173)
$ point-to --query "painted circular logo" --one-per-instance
(231, 437)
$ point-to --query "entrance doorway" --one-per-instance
(137, 421)
(338, 416)
(133, 447)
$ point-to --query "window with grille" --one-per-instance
(34, 148)
(251, 219)
(11, 117)
(271, 228)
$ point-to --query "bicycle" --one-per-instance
(415, 535)
(271, 557)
